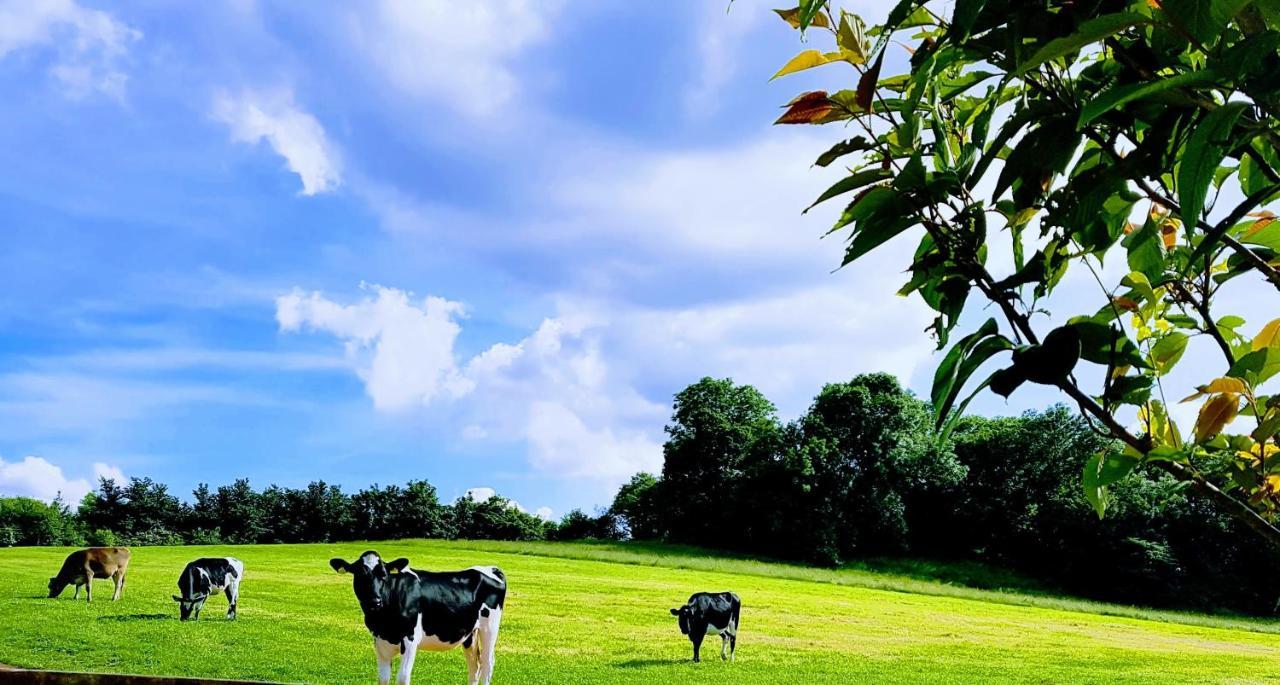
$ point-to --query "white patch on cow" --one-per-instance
(490, 571)
(409, 571)
(730, 629)
(371, 560)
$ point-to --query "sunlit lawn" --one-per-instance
(592, 619)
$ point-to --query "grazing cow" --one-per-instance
(209, 576)
(82, 566)
(710, 613)
(407, 610)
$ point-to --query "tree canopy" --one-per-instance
(1062, 134)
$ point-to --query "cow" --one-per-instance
(82, 566)
(407, 610)
(709, 613)
(209, 576)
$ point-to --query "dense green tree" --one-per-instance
(496, 518)
(27, 521)
(579, 525)
(636, 504)
(717, 428)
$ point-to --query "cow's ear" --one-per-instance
(398, 565)
(339, 565)
(675, 612)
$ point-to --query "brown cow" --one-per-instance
(82, 566)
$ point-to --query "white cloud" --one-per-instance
(38, 478)
(90, 44)
(486, 494)
(550, 389)
(461, 54)
(402, 350)
(293, 133)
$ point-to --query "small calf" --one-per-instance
(209, 576)
(82, 566)
(711, 613)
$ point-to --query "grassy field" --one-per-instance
(598, 614)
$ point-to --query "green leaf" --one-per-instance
(1168, 350)
(1103, 344)
(809, 10)
(1203, 19)
(1094, 492)
(841, 149)
(1088, 32)
(963, 18)
(1146, 251)
(849, 183)
(1112, 98)
(1258, 366)
(1114, 466)
(960, 362)
(1204, 152)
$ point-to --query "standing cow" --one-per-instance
(209, 576)
(709, 613)
(82, 566)
(407, 610)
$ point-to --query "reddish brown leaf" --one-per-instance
(808, 108)
(1125, 303)
(867, 84)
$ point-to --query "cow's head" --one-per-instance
(684, 613)
(369, 577)
(188, 606)
(55, 586)
(194, 585)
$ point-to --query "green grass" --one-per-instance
(598, 614)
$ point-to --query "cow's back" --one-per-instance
(105, 561)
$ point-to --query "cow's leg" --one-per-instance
(88, 586)
(118, 579)
(488, 634)
(724, 645)
(406, 663)
(233, 597)
(696, 637)
(385, 651)
(733, 644)
(473, 659)
(77, 594)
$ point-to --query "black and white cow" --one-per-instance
(407, 610)
(711, 613)
(209, 576)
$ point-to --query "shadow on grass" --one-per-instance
(137, 617)
(648, 663)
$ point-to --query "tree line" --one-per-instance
(144, 512)
(861, 474)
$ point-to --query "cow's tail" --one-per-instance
(737, 612)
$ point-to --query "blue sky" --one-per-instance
(478, 243)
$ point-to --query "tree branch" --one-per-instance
(1231, 505)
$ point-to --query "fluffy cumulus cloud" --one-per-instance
(552, 389)
(90, 45)
(402, 349)
(37, 477)
(294, 134)
(461, 54)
